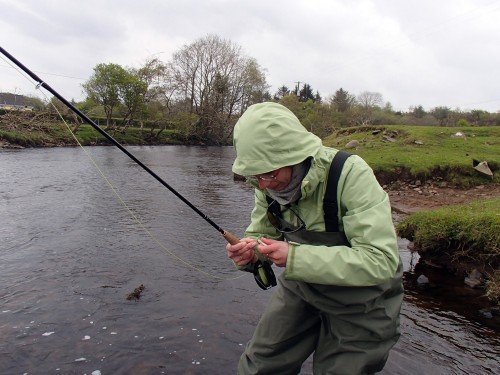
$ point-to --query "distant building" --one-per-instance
(11, 102)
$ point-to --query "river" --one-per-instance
(71, 252)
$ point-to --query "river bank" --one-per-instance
(410, 192)
(466, 269)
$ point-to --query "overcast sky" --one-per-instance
(425, 52)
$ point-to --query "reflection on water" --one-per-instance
(70, 254)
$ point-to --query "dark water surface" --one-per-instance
(70, 253)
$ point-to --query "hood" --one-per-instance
(269, 136)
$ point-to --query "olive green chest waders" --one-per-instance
(349, 329)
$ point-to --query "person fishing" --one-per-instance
(340, 293)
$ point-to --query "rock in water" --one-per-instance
(136, 294)
(422, 280)
(475, 279)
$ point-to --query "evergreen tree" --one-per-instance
(317, 97)
(306, 93)
(281, 92)
(342, 100)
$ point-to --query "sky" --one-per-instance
(426, 52)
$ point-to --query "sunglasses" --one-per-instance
(266, 177)
(274, 214)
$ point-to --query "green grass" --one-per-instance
(454, 236)
(440, 154)
(48, 135)
(467, 233)
(35, 136)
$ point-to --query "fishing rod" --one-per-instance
(262, 271)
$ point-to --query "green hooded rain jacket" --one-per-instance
(269, 136)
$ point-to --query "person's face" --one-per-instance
(275, 180)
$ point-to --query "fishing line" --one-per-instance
(261, 270)
(134, 216)
(48, 74)
(22, 73)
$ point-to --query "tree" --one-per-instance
(281, 92)
(255, 87)
(128, 90)
(367, 102)
(317, 97)
(478, 116)
(132, 92)
(297, 89)
(34, 102)
(103, 87)
(316, 117)
(154, 74)
(441, 114)
(388, 108)
(418, 111)
(342, 101)
(292, 103)
(215, 81)
(306, 93)
(160, 105)
(370, 100)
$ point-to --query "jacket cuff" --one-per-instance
(292, 247)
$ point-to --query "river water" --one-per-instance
(71, 252)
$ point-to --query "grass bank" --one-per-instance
(51, 135)
(459, 238)
(424, 152)
(462, 237)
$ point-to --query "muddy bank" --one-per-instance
(408, 198)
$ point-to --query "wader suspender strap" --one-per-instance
(330, 202)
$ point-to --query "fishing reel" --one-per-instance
(262, 273)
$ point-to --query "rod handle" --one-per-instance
(233, 240)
